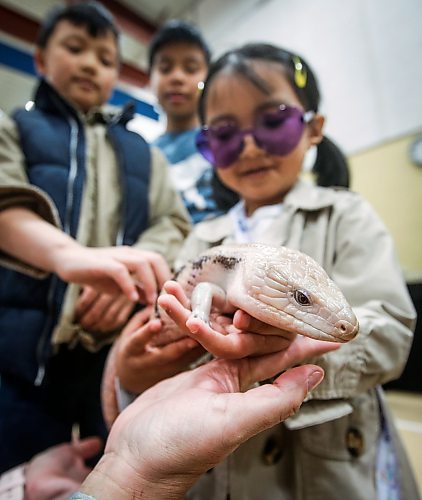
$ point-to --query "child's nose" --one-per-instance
(177, 74)
(89, 60)
(250, 147)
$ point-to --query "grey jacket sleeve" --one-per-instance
(16, 190)
(361, 259)
(169, 221)
(366, 268)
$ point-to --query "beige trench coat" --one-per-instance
(327, 451)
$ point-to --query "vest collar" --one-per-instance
(48, 99)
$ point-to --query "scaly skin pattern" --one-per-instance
(277, 285)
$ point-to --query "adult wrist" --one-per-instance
(12, 483)
(113, 478)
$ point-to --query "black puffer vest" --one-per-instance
(53, 142)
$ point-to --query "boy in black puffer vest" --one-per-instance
(90, 224)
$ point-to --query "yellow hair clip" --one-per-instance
(300, 75)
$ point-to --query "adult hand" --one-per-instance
(59, 471)
(185, 425)
(228, 337)
(102, 312)
(140, 274)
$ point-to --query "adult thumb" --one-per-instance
(263, 407)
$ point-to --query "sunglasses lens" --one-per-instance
(221, 146)
(203, 146)
(279, 132)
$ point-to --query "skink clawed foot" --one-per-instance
(205, 295)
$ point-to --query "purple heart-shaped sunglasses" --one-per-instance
(277, 132)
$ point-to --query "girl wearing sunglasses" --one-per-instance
(260, 115)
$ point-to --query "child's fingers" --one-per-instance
(175, 350)
(135, 343)
(145, 278)
(243, 321)
(87, 447)
(234, 345)
(137, 320)
(94, 317)
(120, 312)
(175, 310)
(85, 300)
(119, 273)
(160, 268)
(173, 288)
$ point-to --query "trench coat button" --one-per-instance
(354, 442)
(272, 451)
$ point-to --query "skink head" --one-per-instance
(291, 291)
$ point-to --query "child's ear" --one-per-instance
(316, 128)
(39, 61)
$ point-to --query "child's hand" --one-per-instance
(139, 366)
(228, 337)
(102, 312)
(140, 274)
(58, 471)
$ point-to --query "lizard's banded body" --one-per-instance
(277, 285)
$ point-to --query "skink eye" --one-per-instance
(302, 297)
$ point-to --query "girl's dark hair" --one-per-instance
(241, 60)
(331, 167)
(94, 16)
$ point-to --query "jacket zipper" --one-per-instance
(119, 159)
(67, 221)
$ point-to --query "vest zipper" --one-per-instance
(44, 335)
(72, 173)
(67, 223)
(119, 159)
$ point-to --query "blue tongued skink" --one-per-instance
(277, 285)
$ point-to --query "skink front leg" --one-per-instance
(205, 295)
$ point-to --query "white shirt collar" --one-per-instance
(249, 229)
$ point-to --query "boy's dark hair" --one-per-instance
(330, 168)
(175, 31)
(92, 15)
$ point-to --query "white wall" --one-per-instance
(366, 53)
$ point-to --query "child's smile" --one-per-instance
(256, 172)
(86, 84)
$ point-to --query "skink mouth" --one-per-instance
(327, 337)
(342, 332)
